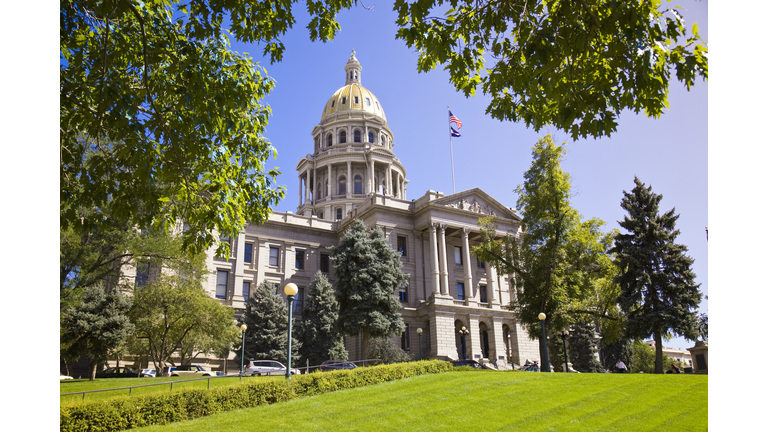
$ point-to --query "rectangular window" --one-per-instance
(404, 295)
(402, 247)
(299, 260)
(248, 255)
(338, 213)
(457, 255)
(483, 294)
(298, 303)
(460, 291)
(142, 273)
(221, 284)
(246, 290)
(480, 264)
(274, 256)
(325, 263)
(405, 339)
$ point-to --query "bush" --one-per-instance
(133, 412)
(384, 349)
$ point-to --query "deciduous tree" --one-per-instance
(367, 270)
(574, 65)
(96, 326)
(659, 294)
(266, 316)
(555, 261)
(318, 331)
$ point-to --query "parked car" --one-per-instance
(471, 363)
(148, 373)
(118, 372)
(189, 370)
(268, 367)
(329, 365)
(219, 373)
(64, 377)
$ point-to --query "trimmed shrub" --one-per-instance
(139, 411)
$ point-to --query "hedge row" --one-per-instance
(138, 411)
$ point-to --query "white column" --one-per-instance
(443, 261)
(370, 183)
(315, 186)
(330, 190)
(468, 288)
(300, 189)
(491, 277)
(389, 179)
(306, 188)
(350, 183)
(433, 253)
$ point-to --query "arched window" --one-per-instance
(358, 185)
(329, 140)
(382, 140)
(350, 75)
(370, 137)
(357, 136)
(342, 185)
(342, 137)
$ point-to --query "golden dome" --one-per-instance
(353, 97)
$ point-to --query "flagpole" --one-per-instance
(450, 138)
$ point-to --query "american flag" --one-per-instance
(453, 119)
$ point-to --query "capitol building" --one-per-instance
(352, 173)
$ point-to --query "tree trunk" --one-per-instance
(365, 345)
(659, 363)
(92, 370)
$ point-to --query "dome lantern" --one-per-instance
(352, 70)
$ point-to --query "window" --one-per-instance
(480, 264)
(405, 339)
(404, 295)
(338, 213)
(142, 273)
(357, 100)
(460, 291)
(343, 100)
(298, 302)
(370, 137)
(299, 260)
(333, 103)
(402, 245)
(247, 256)
(246, 290)
(377, 105)
(342, 185)
(325, 263)
(274, 256)
(351, 75)
(358, 185)
(483, 294)
(357, 136)
(342, 137)
(457, 255)
(329, 140)
(368, 101)
(320, 215)
(382, 140)
(221, 284)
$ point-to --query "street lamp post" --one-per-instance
(290, 290)
(463, 332)
(243, 328)
(564, 334)
(418, 332)
(545, 360)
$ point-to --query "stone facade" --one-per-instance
(353, 174)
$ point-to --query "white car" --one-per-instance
(148, 373)
(268, 367)
(64, 377)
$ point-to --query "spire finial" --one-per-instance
(353, 53)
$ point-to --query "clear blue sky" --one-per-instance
(669, 153)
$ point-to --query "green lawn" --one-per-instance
(486, 400)
(70, 386)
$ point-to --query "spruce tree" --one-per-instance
(266, 315)
(318, 330)
(658, 291)
(368, 270)
(582, 348)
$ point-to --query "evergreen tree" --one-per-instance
(318, 330)
(583, 347)
(620, 349)
(96, 326)
(368, 270)
(658, 293)
(266, 315)
(555, 351)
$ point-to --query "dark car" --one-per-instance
(118, 372)
(470, 363)
(336, 365)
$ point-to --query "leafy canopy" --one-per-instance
(161, 121)
(574, 65)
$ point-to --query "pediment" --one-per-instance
(477, 201)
